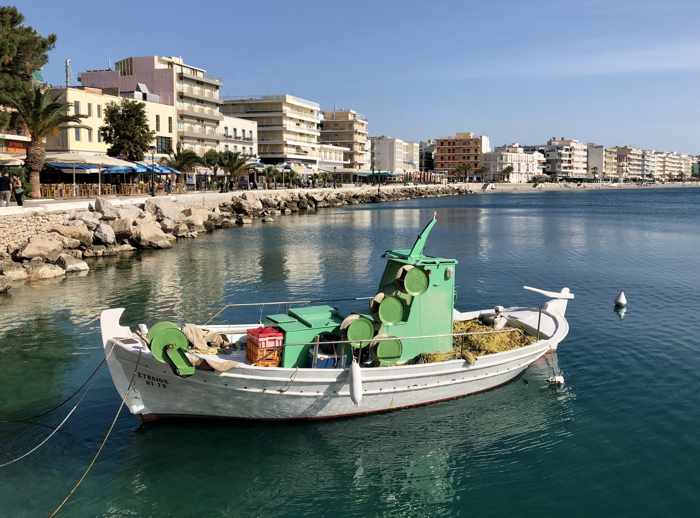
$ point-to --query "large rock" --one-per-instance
(46, 246)
(128, 211)
(68, 242)
(38, 271)
(123, 227)
(4, 284)
(12, 270)
(148, 234)
(108, 210)
(76, 230)
(125, 247)
(195, 218)
(247, 204)
(72, 264)
(89, 219)
(181, 230)
(167, 225)
(105, 235)
(165, 209)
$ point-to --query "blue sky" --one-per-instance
(612, 72)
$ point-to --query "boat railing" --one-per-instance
(280, 303)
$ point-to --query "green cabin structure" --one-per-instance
(410, 315)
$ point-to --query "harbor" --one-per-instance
(438, 458)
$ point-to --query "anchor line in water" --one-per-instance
(54, 430)
(102, 444)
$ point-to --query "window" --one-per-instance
(89, 113)
(157, 122)
(225, 131)
(89, 132)
(77, 134)
(170, 124)
(99, 136)
(164, 145)
(76, 107)
(99, 111)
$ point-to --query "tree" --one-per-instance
(23, 51)
(42, 114)
(505, 174)
(271, 174)
(462, 171)
(126, 130)
(234, 163)
(184, 160)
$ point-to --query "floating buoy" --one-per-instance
(556, 380)
(355, 382)
(621, 300)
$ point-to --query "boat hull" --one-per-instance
(151, 390)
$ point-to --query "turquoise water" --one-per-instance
(620, 438)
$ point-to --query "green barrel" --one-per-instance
(412, 280)
(389, 351)
(360, 331)
(391, 310)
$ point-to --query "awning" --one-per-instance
(156, 168)
(11, 160)
(96, 159)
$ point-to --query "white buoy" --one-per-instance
(621, 300)
(556, 380)
(355, 382)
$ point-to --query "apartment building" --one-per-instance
(190, 89)
(670, 166)
(595, 161)
(566, 158)
(648, 164)
(238, 136)
(288, 127)
(91, 103)
(610, 170)
(346, 128)
(333, 158)
(426, 150)
(395, 155)
(463, 148)
(512, 164)
(13, 146)
(629, 162)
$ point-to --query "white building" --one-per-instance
(671, 166)
(395, 155)
(333, 158)
(648, 164)
(512, 164)
(238, 136)
(566, 158)
(288, 127)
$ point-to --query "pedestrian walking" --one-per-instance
(5, 190)
(18, 190)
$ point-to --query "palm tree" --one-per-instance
(271, 173)
(42, 114)
(183, 160)
(234, 164)
(462, 171)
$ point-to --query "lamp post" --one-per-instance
(153, 169)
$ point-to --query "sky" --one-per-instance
(605, 71)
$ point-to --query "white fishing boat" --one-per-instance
(328, 365)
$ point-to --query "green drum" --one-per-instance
(389, 350)
(412, 280)
(360, 331)
(391, 310)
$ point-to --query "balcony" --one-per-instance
(235, 138)
(198, 134)
(200, 113)
(204, 79)
(192, 94)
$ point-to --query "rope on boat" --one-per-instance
(102, 444)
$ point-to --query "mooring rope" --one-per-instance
(60, 425)
(102, 444)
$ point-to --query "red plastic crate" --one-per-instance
(264, 346)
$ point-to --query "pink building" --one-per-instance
(194, 94)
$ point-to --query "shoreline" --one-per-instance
(50, 240)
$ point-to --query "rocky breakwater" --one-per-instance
(37, 247)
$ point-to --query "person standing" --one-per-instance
(5, 190)
(18, 190)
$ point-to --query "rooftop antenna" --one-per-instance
(69, 73)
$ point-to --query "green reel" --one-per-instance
(168, 344)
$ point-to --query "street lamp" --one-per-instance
(153, 170)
